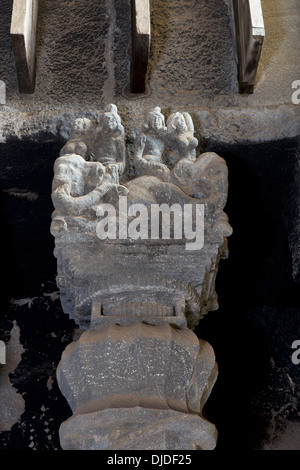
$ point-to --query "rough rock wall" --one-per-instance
(88, 60)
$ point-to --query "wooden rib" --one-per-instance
(250, 33)
(140, 42)
(23, 37)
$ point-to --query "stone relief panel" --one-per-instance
(168, 172)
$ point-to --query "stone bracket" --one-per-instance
(23, 38)
(140, 44)
(250, 33)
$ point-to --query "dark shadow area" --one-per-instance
(26, 171)
(29, 293)
(259, 302)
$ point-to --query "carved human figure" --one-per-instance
(182, 150)
(150, 146)
(180, 137)
(79, 141)
(77, 189)
(109, 146)
(210, 181)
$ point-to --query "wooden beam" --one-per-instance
(250, 34)
(23, 37)
(140, 42)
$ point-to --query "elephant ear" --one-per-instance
(189, 122)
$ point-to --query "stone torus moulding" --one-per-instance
(137, 259)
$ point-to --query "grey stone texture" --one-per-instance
(177, 67)
(84, 64)
(172, 275)
(138, 296)
(154, 366)
(118, 368)
(12, 404)
(102, 34)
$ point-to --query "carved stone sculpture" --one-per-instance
(79, 139)
(150, 146)
(181, 136)
(78, 186)
(109, 146)
(137, 264)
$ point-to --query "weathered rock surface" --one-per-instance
(165, 270)
(137, 387)
(12, 404)
(137, 365)
(195, 70)
(137, 429)
(184, 281)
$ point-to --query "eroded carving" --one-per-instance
(136, 285)
(109, 144)
(150, 146)
(79, 141)
(80, 184)
(180, 136)
(77, 190)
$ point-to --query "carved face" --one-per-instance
(180, 124)
(78, 126)
(155, 121)
(110, 122)
(68, 172)
(95, 173)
